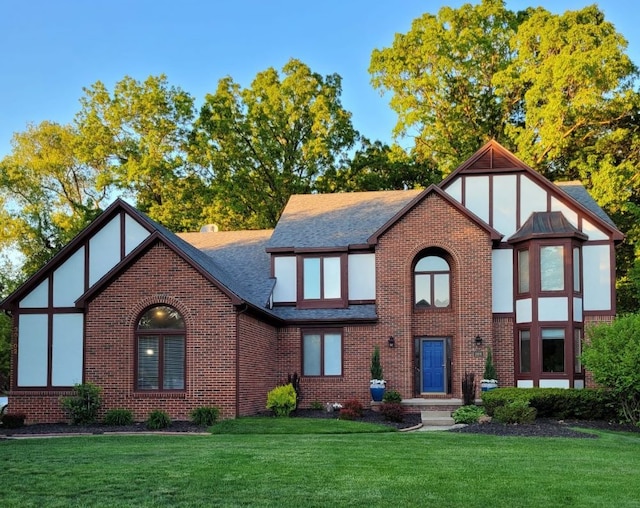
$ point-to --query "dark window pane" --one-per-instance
(161, 316)
(173, 373)
(525, 351)
(553, 350)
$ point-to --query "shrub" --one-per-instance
(83, 407)
(612, 354)
(516, 412)
(205, 416)
(348, 414)
(282, 400)
(467, 414)
(353, 405)
(317, 405)
(118, 417)
(392, 411)
(469, 388)
(12, 420)
(392, 396)
(590, 404)
(158, 420)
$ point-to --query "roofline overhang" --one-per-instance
(434, 189)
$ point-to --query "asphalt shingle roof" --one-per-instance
(577, 191)
(336, 220)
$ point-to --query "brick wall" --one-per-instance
(158, 277)
(257, 364)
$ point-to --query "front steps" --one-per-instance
(439, 418)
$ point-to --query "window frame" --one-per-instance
(431, 274)
(161, 334)
(322, 302)
(322, 332)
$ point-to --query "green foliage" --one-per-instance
(586, 404)
(83, 407)
(158, 420)
(376, 367)
(264, 143)
(489, 367)
(518, 411)
(12, 420)
(392, 396)
(467, 414)
(205, 415)
(118, 417)
(316, 405)
(392, 411)
(612, 354)
(5, 352)
(282, 400)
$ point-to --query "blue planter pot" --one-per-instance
(377, 392)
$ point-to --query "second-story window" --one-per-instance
(432, 282)
(322, 282)
(552, 268)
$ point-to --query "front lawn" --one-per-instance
(314, 469)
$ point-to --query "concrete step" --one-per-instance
(437, 418)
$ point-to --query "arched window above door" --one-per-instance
(432, 282)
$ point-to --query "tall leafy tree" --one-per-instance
(556, 89)
(47, 191)
(263, 143)
(440, 75)
(377, 166)
(137, 137)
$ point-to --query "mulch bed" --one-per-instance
(540, 428)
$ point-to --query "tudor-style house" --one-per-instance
(494, 257)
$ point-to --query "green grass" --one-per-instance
(261, 425)
(314, 469)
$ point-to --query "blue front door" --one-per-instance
(433, 366)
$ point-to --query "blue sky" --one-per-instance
(50, 50)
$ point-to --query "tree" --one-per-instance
(47, 191)
(612, 353)
(137, 138)
(276, 138)
(376, 166)
(441, 74)
(556, 89)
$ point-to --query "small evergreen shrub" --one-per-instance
(392, 411)
(282, 400)
(516, 412)
(467, 414)
(83, 407)
(118, 417)
(392, 396)
(205, 416)
(376, 366)
(12, 420)
(158, 420)
(489, 368)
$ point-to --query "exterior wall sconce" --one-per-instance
(478, 341)
(391, 342)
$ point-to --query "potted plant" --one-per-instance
(490, 378)
(377, 384)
